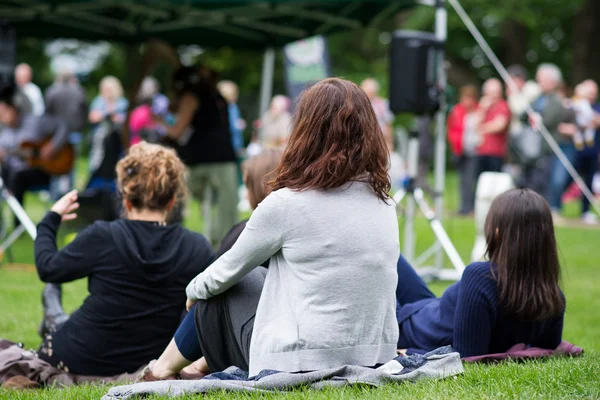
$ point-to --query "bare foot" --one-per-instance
(196, 370)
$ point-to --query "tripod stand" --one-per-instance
(413, 196)
(26, 224)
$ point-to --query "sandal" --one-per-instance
(146, 375)
(186, 376)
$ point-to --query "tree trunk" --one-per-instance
(586, 29)
(459, 73)
(513, 48)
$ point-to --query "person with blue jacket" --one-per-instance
(513, 298)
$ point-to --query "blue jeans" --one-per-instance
(186, 338)
(560, 178)
(587, 165)
(489, 164)
(411, 288)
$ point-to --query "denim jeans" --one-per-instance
(467, 166)
(560, 178)
(411, 288)
(186, 337)
(587, 165)
(489, 164)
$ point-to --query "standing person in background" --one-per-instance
(203, 141)
(65, 99)
(230, 92)
(590, 157)
(586, 158)
(110, 103)
(275, 124)
(551, 112)
(518, 102)
(149, 103)
(18, 175)
(107, 114)
(23, 79)
(381, 106)
(460, 120)
(495, 120)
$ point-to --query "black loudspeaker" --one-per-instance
(413, 77)
(8, 52)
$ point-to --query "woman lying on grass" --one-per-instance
(330, 232)
(137, 269)
(513, 298)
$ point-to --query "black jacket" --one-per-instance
(137, 273)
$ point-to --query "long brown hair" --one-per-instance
(335, 139)
(520, 237)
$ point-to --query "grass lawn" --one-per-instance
(20, 312)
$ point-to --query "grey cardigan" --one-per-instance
(329, 295)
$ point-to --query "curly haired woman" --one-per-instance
(137, 269)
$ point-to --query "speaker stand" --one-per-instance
(26, 224)
(413, 196)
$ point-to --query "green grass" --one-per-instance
(20, 312)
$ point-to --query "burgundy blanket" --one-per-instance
(521, 351)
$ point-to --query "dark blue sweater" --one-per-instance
(469, 317)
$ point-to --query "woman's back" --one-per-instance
(137, 276)
(329, 277)
(328, 298)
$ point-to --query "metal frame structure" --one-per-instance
(26, 224)
(153, 17)
(415, 197)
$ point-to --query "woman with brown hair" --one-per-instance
(513, 298)
(330, 232)
(137, 268)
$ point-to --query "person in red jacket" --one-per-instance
(495, 120)
(458, 123)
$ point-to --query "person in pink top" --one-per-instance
(143, 118)
(493, 129)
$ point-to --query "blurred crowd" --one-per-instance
(493, 132)
(201, 119)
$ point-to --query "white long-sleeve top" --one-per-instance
(329, 294)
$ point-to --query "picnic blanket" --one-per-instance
(438, 364)
(15, 361)
(522, 352)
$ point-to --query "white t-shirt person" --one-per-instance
(34, 94)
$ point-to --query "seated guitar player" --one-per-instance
(23, 170)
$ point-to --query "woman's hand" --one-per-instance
(190, 303)
(96, 116)
(66, 205)
(567, 129)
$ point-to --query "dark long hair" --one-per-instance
(335, 139)
(520, 237)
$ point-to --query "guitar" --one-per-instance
(62, 163)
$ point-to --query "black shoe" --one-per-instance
(54, 315)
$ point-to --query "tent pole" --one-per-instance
(441, 32)
(266, 86)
